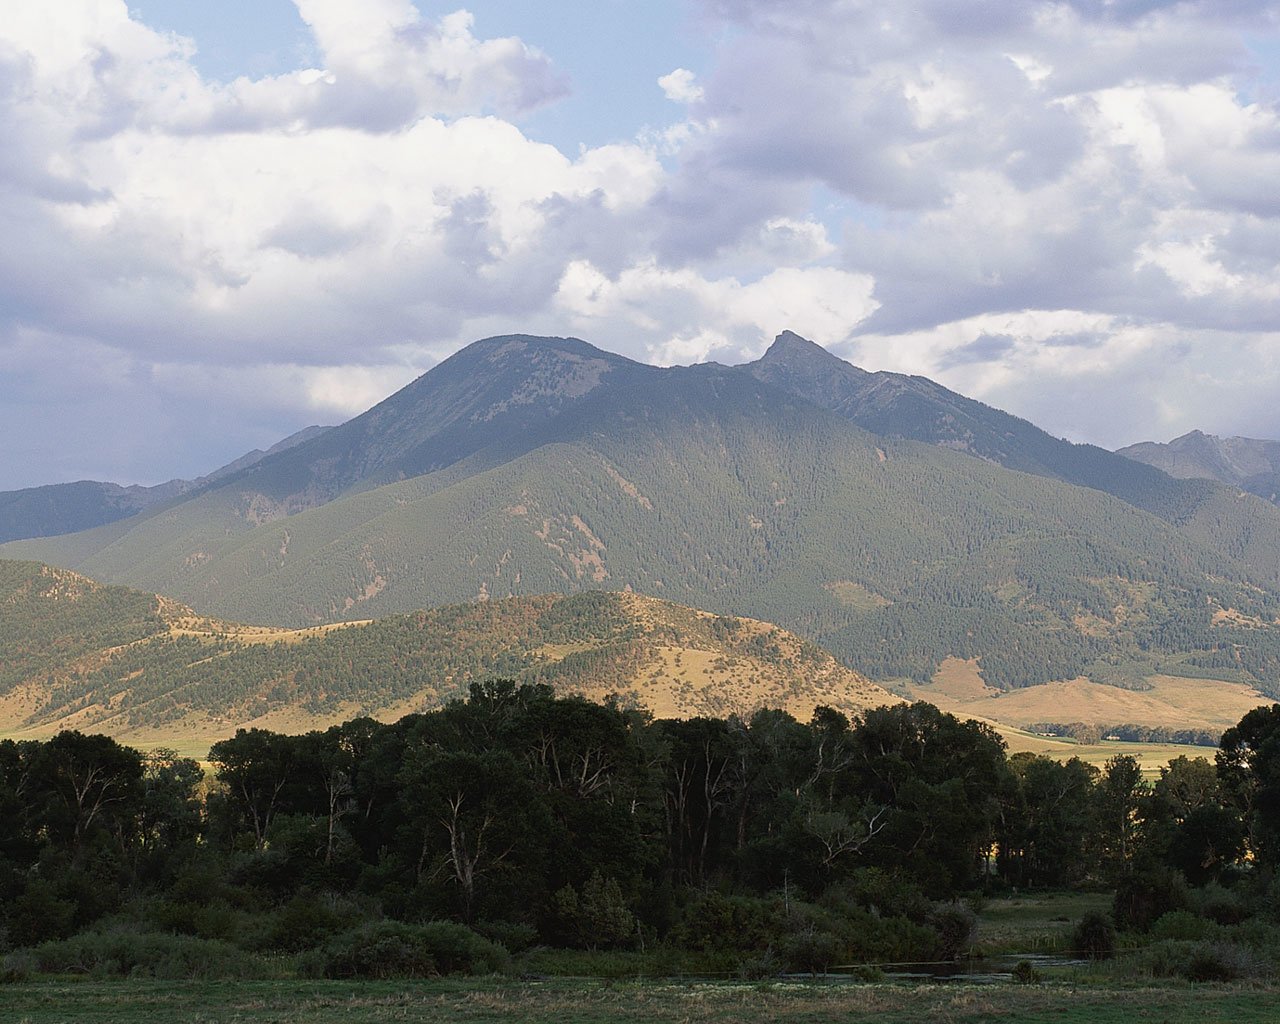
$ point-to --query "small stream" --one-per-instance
(988, 969)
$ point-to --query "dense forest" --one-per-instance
(454, 839)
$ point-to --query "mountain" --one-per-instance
(1243, 462)
(108, 659)
(525, 466)
(897, 405)
(57, 509)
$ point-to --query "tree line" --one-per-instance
(531, 818)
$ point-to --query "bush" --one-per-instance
(1094, 937)
(761, 966)
(511, 935)
(306, 922)
(1220, 904)
(38, 915)
(880, 893)
(390, 949)
(713, 922)
(955, 925)
(1144, 898)
(384, 950)
(146, 954)
(1216, 961)
(1221, 961)
(17, 967)
(812, 949)
(599, 917)
(1183, 925)
(1024, 973)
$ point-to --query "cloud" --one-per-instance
(681, 86)
(1033, 201)
(675, 307)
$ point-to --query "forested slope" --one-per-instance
(1220, 518)
(706, 486)
(131, 664)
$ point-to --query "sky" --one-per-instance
(225, 221)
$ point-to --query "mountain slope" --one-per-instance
(57, 509)
(152, 668)
(1244, 462)
(897, 405)
(709, 487)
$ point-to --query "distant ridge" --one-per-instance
(1244, 462)
(56, 509)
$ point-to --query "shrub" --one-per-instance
(39, 915)
(810, 948)
(881, 893)
(955, 925)
(17, 967)
(599, 918)
(714, 922)
(761, 966)
(306, 922)
(384, 950)
(1094, 937)
(1196, 961)
(1144, 898)
(1024, 973)
(459, 950)
(390, 949)
(512, 935)
(1220, 904)
(1221, 961)
(1183, 925)
(146, 954)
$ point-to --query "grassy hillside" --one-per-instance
(708, 487)
(163, 673)
(51, 617)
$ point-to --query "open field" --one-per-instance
(1034, 923)
(584, 1002)
(1171, 701)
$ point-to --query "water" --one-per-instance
(974, 972)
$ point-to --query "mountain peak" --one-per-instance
(789, 346)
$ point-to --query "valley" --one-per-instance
(501, 674)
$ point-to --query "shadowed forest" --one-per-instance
(516, 824)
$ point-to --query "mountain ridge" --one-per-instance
(57, 509)
(897, 405)
(1252, 464)
(137, 665)
(711, 487)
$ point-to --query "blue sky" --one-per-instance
(612, 52)
(225, 221)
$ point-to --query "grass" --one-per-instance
(1036, 923)
(579, 1002)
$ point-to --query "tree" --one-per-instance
(1045, 820)
(1120, 794)
(473, 815)
(1248, 763)
(256, 766)
(91, 784)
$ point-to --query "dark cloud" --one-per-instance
(986, 348)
